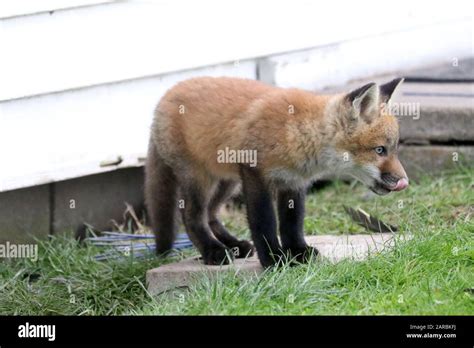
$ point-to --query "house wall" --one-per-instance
(79, 79)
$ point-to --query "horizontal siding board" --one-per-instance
(15, 8)
(66, 135)
(101, 44)
(338, 64)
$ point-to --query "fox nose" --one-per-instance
(401, 184)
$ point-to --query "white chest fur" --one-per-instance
(329, 164)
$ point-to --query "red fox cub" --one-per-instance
(209, 134)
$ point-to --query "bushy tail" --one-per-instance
(161, 189)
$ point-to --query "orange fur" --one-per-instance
(289, 128)
(297, 137)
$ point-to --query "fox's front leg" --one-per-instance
(260, 216)
(291, 216)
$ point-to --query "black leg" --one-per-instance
(291, 212)
(195, 220)
(261, 217)
(240, 248)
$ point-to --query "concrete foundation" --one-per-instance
(25, 214)
(64, 207)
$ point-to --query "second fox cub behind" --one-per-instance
(293, 137)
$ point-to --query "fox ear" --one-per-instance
(364, 101)
(387, 89)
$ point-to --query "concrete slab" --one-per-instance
(438, 124)
(451, 69)
(334, 248)
(440, 95)
(431, 159)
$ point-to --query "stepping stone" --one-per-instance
(334, 248)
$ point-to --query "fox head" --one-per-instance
(369, 138)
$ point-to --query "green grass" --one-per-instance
(433, 273)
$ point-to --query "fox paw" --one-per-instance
(242, 249)
(302, 254)
(217, 255)
(273, 260)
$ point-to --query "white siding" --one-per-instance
(65, 135)
(79, 85)
(15, 8)
(100, 44)
(337, 64)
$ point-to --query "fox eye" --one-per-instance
(381, 150)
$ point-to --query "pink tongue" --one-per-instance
(401, 184)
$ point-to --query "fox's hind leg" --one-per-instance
(222, 193)
(160, 198)
(196, 194)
